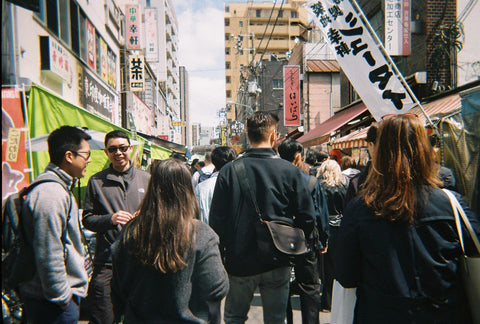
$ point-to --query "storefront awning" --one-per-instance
(321, 133)
(434, 108)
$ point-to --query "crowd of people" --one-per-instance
(172, 243)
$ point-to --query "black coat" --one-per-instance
(281, 193)
(383, 259)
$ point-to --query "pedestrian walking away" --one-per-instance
(281, 194)
(111, 200)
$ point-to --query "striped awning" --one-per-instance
(434, 108)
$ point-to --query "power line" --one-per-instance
(273, 28)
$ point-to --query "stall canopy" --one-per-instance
(321, 133)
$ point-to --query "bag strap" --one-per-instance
(460, 213)
(240, 171)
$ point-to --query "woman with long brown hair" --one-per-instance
(398, 242)
(166, 264)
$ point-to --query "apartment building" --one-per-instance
(254, 30)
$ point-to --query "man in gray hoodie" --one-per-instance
(51, 224)
(112, 198)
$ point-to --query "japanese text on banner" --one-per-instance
(360, 58)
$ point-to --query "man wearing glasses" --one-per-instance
(112, 198)
(51, 225)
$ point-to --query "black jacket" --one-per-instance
(109, 191)
(281, 193)
(383, 258)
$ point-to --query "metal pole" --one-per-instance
(394, 66)
(29, 142)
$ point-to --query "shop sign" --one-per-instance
(151, 35)
(163, 137)
(14, 161)
(133, 40)
(91, 48)
(112, 77)
(103, 59)
(291, 95)
(95, 97)
(141, 113)
(366, 66)
(397, 27)
(136, 68)
(55, 58)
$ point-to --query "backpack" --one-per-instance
(18, 263)
(202, 176)
(320, 233)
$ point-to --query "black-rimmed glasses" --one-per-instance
(83, 152)
(113, 149)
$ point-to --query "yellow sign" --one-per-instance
(177, 123)
(13, 143)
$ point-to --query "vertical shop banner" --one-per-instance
(134, 22)
(14, 159)
(141, 113)
(103, 59)
(137, 72)
(291, 95)
(361, 58)
(397, 27)
(91, 47)
(112, 75)
(151, 36)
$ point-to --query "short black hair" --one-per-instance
(64, 139)
(116, 134)
(289, 148)
(194, 161)
(222, 155)
(372, 133)
(311, 156)
(259, 125)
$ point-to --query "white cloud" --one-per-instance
(201, 50)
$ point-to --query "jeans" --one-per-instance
(99, 296)
(273, 285)
(41, 311)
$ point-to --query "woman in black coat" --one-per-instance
(398, 242)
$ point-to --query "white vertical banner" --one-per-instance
(151, 35)
(397, 27)
(362, 60)
(137, 72)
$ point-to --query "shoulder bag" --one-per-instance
(470, 267)
(277, 241)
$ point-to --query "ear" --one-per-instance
(69, 155)
(297, 158)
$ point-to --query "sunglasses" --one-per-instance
(113, 149)
(405, 114)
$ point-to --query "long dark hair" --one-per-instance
(163, 231)
(403, 162)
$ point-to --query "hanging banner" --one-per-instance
(361, 58)
(14, 160)
(151, 36)
(133, 40)
(141, 113)
(136, 69)
(104, 60)
(91, 48)
(291, 95)
(397, 27)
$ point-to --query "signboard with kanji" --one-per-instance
(291, 95)
(133, 40)
(151, 35)
(397, 27)
(137, 72)
(360, 57)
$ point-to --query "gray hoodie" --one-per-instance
(60, 271)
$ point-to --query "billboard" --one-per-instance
(397, 27)
(134, 23)
(291, 95)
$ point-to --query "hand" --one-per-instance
(121, 217)
(324, 250)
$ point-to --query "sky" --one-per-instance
(201, 51)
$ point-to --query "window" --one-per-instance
(41, 12)
(240, 23)
(52, 16)
(228, 79)
(258, 13)
(227, 22)
(280, 14)
(227, 65)
(294, 14)
(64, 9)
(227, 51)
(74, 27)
(229, 93)
(98, 64)
(82, 31)
(227, 37)
(277, 84)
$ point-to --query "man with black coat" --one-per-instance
(281, 194)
